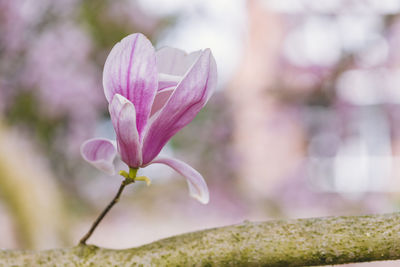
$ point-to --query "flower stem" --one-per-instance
(106, 210)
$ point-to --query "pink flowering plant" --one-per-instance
(151, 95)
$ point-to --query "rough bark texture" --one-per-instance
(316, 241)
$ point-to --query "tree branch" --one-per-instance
(316, 241)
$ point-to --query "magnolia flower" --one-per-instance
(152, 95)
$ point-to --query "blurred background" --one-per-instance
(305, 121)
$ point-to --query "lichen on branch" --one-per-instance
(314, 241)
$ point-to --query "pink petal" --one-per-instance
(160, 99)
(100, 153)
(197, 186)
(130, 70)
(167, 80)
(174, 61)
(191, 94)
(123, 117)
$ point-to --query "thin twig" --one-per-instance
(104, 212)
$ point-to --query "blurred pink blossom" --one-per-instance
(58, 64)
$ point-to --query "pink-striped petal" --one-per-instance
(131, 71)
(174, 61)
(197, 186)
(167, 80)
(191, 94)
(100, 152)
(123, 117)
(160, 100)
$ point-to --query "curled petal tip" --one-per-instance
(203, 199)
(197, 186)
(100, 152)
(120, 99)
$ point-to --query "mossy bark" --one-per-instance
(315, 241)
